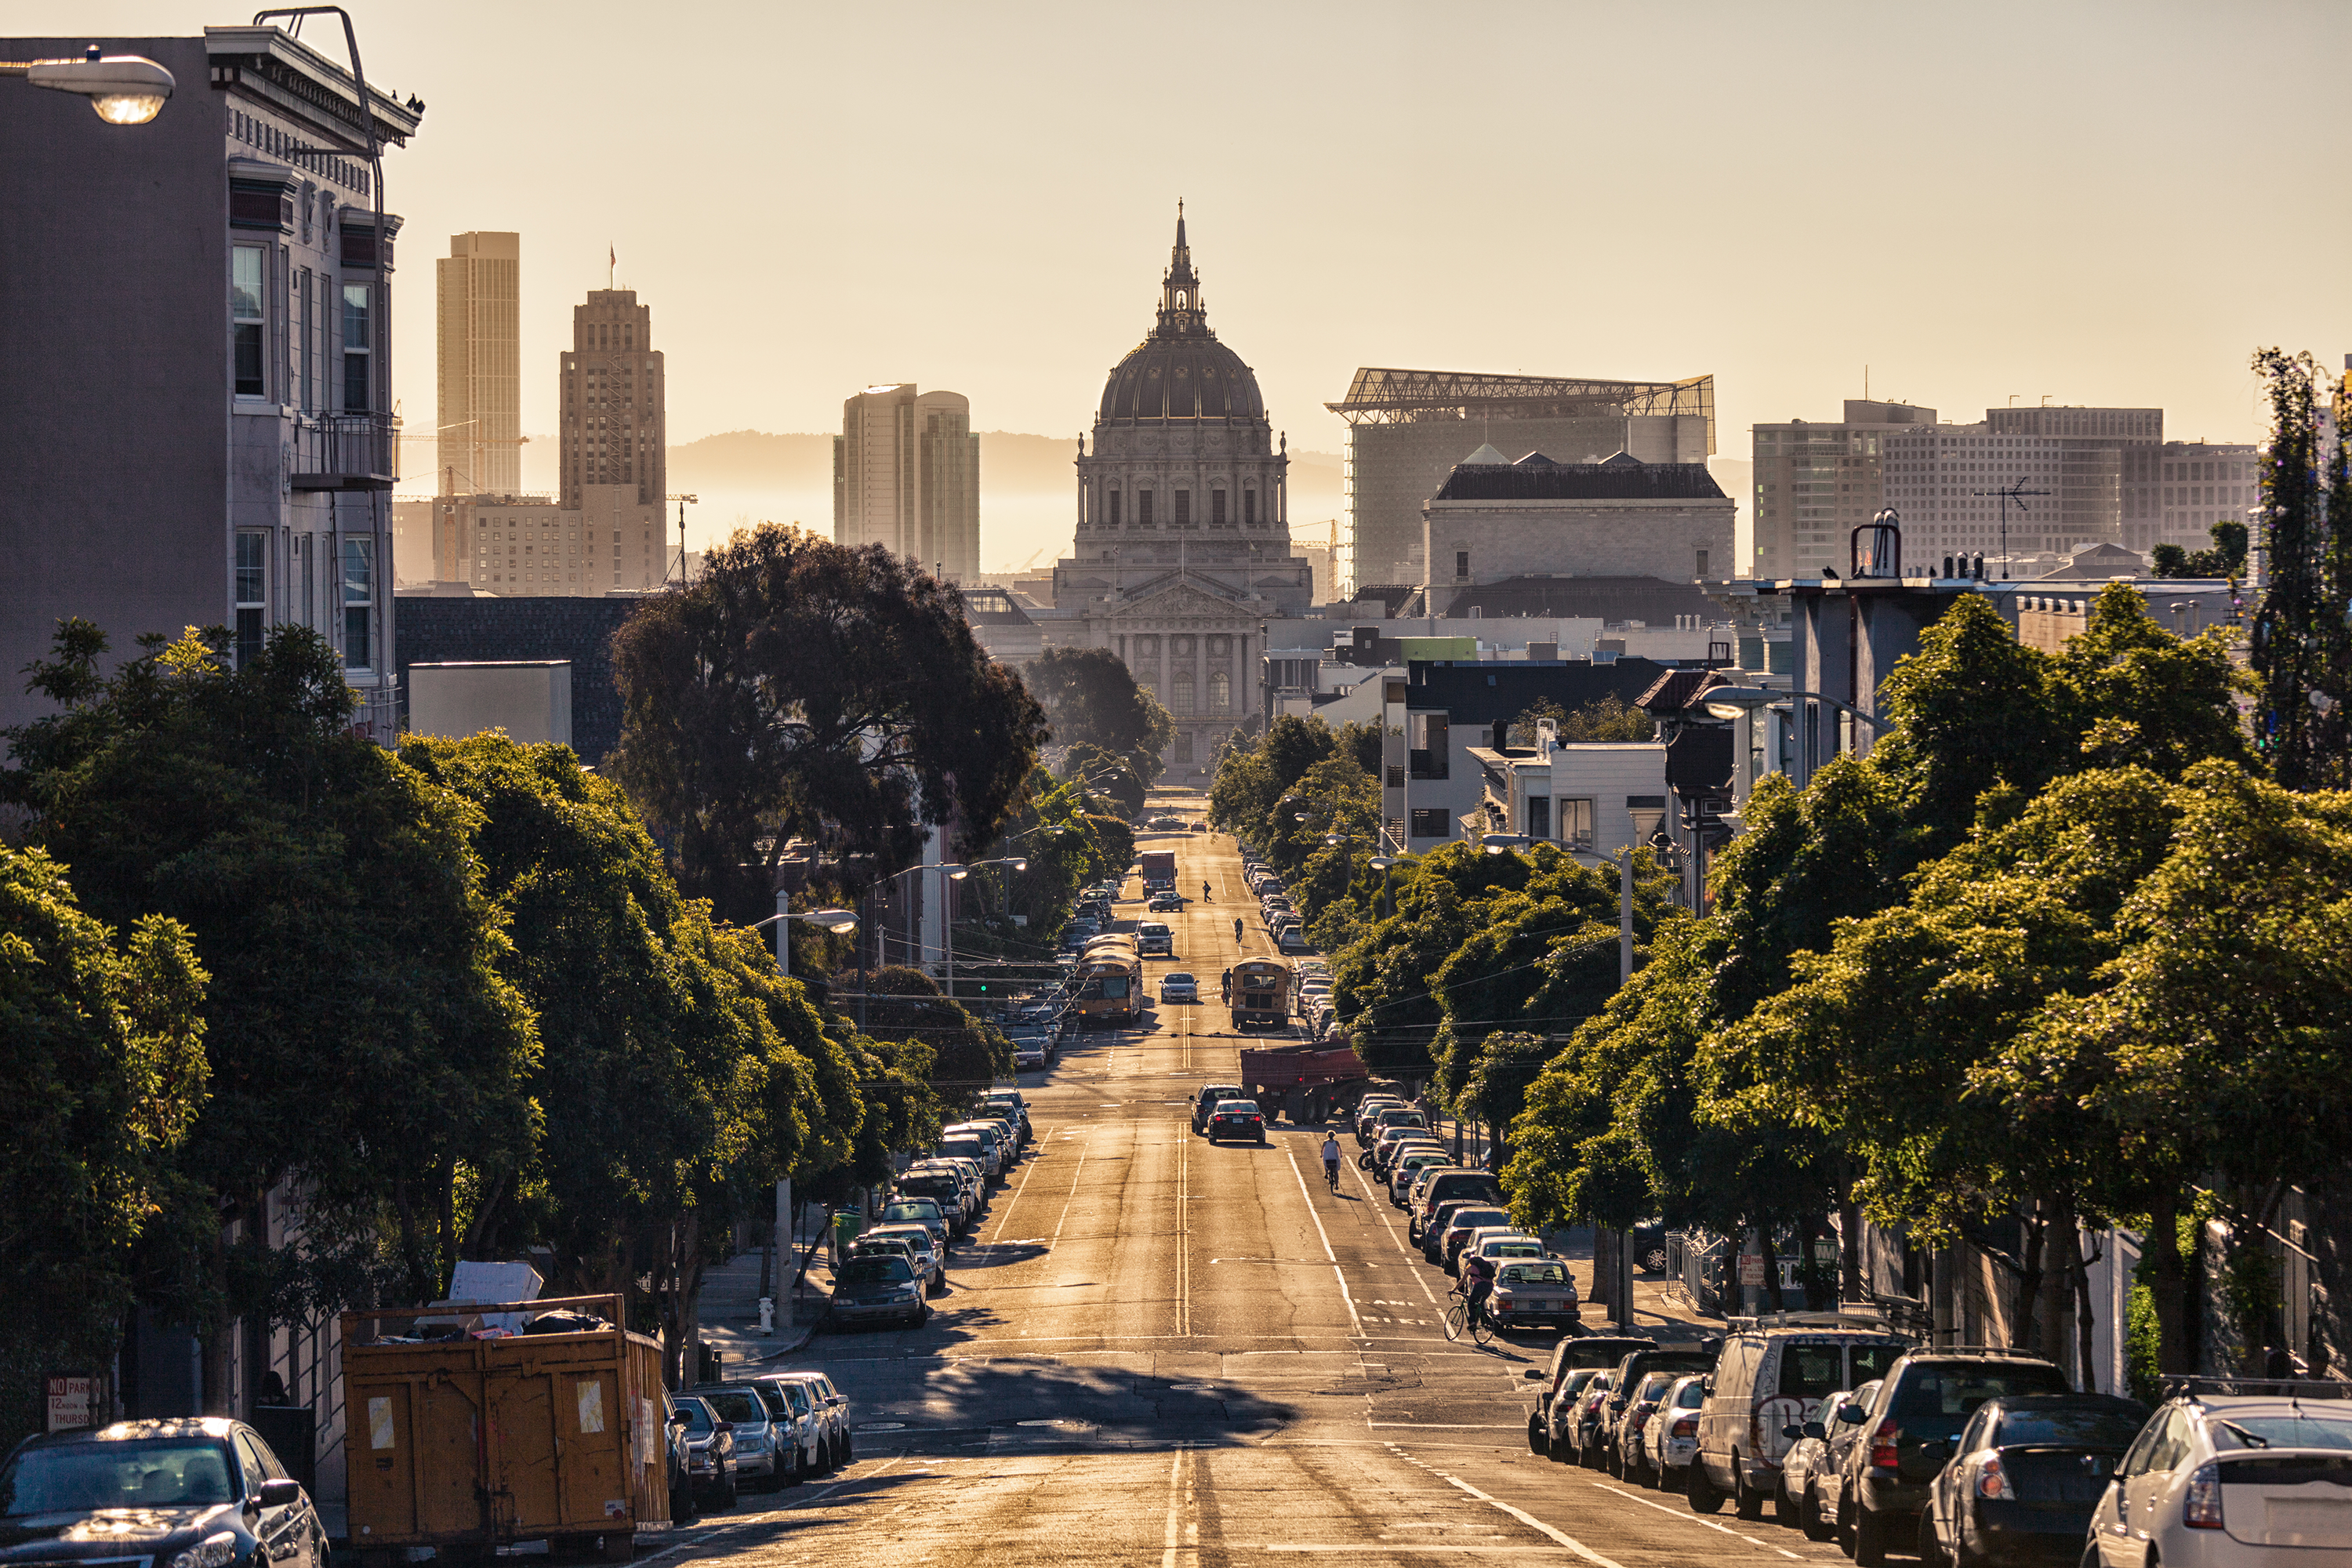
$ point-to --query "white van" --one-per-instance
(1774, 1374)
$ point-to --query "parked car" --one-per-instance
(1153, 938)
(1925, 1400)
(1445, 1235)
(1672, 1436)
(1438, 1184)
(1629, 1457)
(1772, 1376)
(1292, 938)
(1163, 902)
(1809, 1447)
(757, 1447)
(1236, 1118)
(1403, 1169)
(1581, 1428)
(937, 1184)
(1819, 1500)
(792, 1413)
(2026, 1474)
(871, 1289)
(1008, 1103)
(1393, 1145)
(201, 1490)
(1627, 1380)
(832, 1411)
(1534, 1293)
(1390, 1116)
(1177, 987)
(1204, 1104)
(1575, 1362)
(980, 1151)
(929, 1261)
(1368, 1110)
(2225, 1477)
(709, 1453)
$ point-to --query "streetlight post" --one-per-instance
(1727, 704)
(123, 89)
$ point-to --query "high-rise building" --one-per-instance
(613, 425)
(2175, 493)
(479, 365)
(906, 475)
(1815, 482)
(1408, 429)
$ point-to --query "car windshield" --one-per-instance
(875, 1271)
(1937, 1401)
(732, 1406)
(1176, 977)
(75, 1477)
(1654, 1386)
(2303, 1430)
(969, 1148)
(1511, 1250)
(2070, 1429)
(915, 1213)
(1577, 1379)
(1533, 1274)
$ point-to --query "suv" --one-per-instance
(1590, 1352)
(1204, 1104)
(1625, 1388)
(1437, 1184)
(1774, 1374)
(1154, 939)
(1908, 1430)
(2232, 1470)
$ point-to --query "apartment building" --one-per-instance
(906, 475)
(2175, 493)
(207, 300)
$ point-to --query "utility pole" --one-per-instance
(2014, 493)
(683, 502)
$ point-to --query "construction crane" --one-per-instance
(683, 502)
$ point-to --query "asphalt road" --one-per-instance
(1157, 1352)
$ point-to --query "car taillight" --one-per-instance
(1882, 1445)
(2200, 1505)
(1685, 1427)
(1992, 1481)
(1636, 1421)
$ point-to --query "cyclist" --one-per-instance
(1238, 928)
(1478, 1283)
(1331, 1160)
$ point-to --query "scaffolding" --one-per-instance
(1382, 396)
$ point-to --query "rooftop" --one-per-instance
(1620, 477)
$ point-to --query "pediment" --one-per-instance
(1174, 596)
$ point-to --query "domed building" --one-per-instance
(1184, 532)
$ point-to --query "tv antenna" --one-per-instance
(2014, 491)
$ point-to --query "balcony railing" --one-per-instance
(346, 452)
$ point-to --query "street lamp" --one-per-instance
(838, 922)
(1495, 843)
(125, 90)
(1729, 704)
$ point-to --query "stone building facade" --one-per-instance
(1183, 543)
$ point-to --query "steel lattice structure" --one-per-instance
(1383, 396)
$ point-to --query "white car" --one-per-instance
(1179, 987)
(2220, 1480)
(1671, 1435)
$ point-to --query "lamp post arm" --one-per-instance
(1881, 725)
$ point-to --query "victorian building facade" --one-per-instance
(1182, 547)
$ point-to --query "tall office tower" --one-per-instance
(479, 365)
(906, 475)
(613, 425)
(1407, 429)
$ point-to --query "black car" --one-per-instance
(202, 1493)
(1625, 1383)
(1236, 1118)
(1206, 1102)
(709, 1453)
(2025, 1477)
(1922, 1404)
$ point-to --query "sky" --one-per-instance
(2091, 203)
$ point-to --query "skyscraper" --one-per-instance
(479, 366)
(906, 474)
(613, 425)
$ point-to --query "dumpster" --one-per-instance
(479, 1438)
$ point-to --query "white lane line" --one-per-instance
(1006, 1218)
(1412, 1257)
(1181, 1535)
(1694, 1519)
(1531, 1521)
(1084, 1147)
(1336, 1272)
(1183, 1245)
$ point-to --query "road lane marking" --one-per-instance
(1694, 1519)
(1183, 1246)
(1337, 1273)
(1386, 1225)
(1006, 1218)
(1181, 1535)
(1531, 1521)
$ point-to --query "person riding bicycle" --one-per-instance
(1238, 928)
(1477, 1283)
(1331, 1158)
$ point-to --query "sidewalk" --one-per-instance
(730, 1308)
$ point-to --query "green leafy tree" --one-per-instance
(800, 686)
(2227, 558)
(1108, 776)
(101, 1075)
(2302, 648)
(1094, 700)
(969, 1054)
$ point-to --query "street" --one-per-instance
(1160, 1351)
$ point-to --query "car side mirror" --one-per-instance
(727, 1426)
(279, 1494)
(1792, 1433)
(1850, 1414)
(1814, 1429)
(1533, 1374)
(677, 1418)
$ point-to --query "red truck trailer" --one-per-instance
(1307, 1083)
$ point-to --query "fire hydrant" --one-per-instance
(767, 1314)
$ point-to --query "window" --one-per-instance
(1143, 509)
(1538, 816)
(1432, 823)
(245, 319)
(302, 352)
(359, 601)
(1220, 692)
(1216, 509)
(1701, 563)
(1461, 565)
(251, 580)
(1183, 509)
(1183, 691)
(1811, 1371)
(1576, 823)
(1249, 508)
(357, 342)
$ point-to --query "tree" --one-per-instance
(1606, 718)
(804, 686)
(1094, 700)
(2302, 647)
(969, 1054)
(361, 1041)
(2226, 559)
(102, 1075)
(1109, 775)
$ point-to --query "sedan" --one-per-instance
(2027, 1474)
(878, 1290)
(1671, 1440)
(1403, 1169)
(1236, 1118)
(1536, 1293)
(1177, 987)
(761, 1451)
(1164, 901)
(709, 1452)
(930, 1265)
(201, 1491)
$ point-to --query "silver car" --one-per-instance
(756, 1439)
(1672, 1436)
(832, 1415)
(793, 1416)
(872, 1288)
(923, 1251)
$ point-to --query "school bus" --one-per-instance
(1261, 992)
(1110, 981)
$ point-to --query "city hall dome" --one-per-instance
(1182, 371)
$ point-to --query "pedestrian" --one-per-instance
(1238, 928)
(1205, 893)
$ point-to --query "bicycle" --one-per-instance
(1331, 1174)
(1457, 1317)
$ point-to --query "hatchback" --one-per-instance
(2225, 1479)
(1236, 1118)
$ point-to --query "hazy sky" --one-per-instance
(2103, 203)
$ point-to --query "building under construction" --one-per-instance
(1407, 429)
